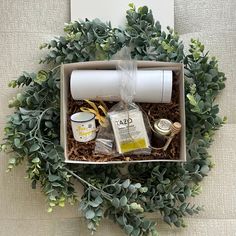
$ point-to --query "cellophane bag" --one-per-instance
(127, 131)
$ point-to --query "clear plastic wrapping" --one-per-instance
(105, 141)
(127, 129)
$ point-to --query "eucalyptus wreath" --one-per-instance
(32, 131)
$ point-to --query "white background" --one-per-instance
(114, 11)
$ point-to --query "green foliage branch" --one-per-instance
(122, 193)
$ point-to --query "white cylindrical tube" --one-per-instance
(152, 86)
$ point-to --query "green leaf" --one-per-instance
(121, 37)
(59, 59)
(52, 198)
(24, 111)
(56, 184)
(187, 192)
(167, 220)
(131, 5)
(198, 177)
(53, 43)
(121, 220)
(36, 96)
(126, 183)
(49, 210)
(181, 197)
(52, 204)
(52, 54)
(165, 181)
(128, 229)
(146, 224)
(143, 10)
(35, 160)
(192, 100)
(20, 97)
(99, 213)
(53, 178)
(180, 184)
(41, 77)
(31, 124)
(132, 188)
(98, 200)
(48, 124)
(205, 170)
(136, 232)
(123, 201)
(17, 142)
(177, 223)
(35, 147)
(12, 161)
(183, 206)
(91, 226)
(143, 190)
(90, 214)
(173, 218)
(137, 185)
(118, 188)
(70, 57)
(115, 202)
(189, 211)
(213, 72)
(61, 204)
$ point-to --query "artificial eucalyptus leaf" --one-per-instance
(167, 220)
(204, 170)
(115, 202)
(53, 178)
(17, 142)
(35, 147)
(128, 229)
(126, 183)
(48, 124)
(36, 160)
(98, 200)
(123, 201)
(90, 214)
(121, 220)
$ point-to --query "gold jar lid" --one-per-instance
(163, 126)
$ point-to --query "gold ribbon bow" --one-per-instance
(95, 110)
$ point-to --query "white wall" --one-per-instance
(114, 11)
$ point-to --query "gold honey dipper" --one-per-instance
(175, 129)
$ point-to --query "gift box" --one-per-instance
(83, 153)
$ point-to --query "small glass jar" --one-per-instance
(162, 128)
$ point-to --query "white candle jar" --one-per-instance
(83, 126)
